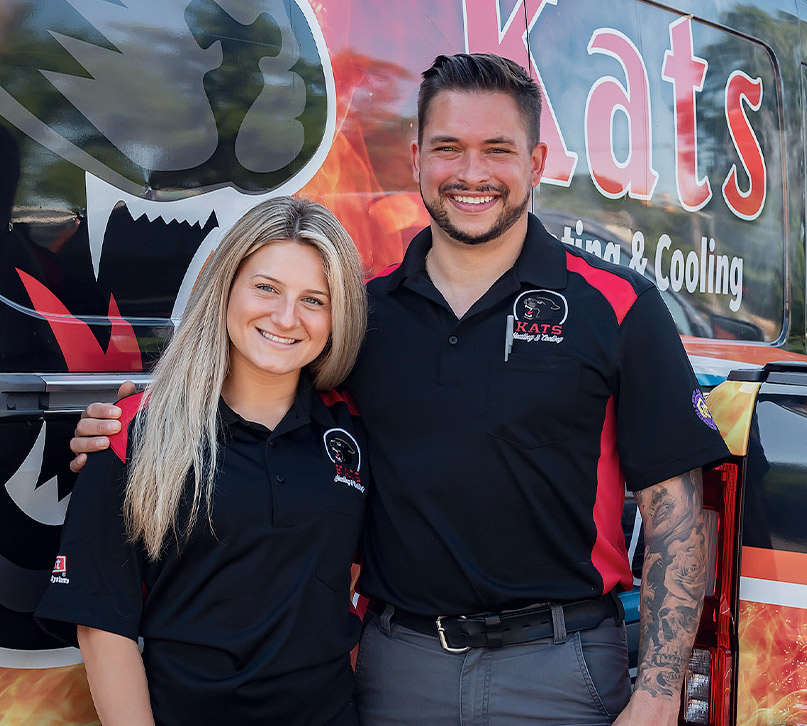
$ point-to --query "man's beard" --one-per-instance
(507, 218)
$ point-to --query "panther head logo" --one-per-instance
(342, 449)
(536, 306)
(541, 306)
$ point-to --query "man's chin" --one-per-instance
(500, 225)
(467, 237)
(481, 239)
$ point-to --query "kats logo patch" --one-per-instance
(60, 570)
(343, 450)
(539, 315)
(699, 404)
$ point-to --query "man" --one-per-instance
(511, 386)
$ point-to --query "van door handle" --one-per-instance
(25, 395)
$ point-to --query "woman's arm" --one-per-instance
(117, 678)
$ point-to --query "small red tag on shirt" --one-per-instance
(61, 565)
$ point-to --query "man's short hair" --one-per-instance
(481, 72)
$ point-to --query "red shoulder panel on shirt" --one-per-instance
(332, 397)
(129, 406)
(617, 290)
(386, 271)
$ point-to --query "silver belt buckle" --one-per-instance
(441, 633)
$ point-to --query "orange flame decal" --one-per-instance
(46, 696)
(772, 678)
(81, 350)
(732, 405)
(380, 221)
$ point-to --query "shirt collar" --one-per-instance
(307, 405)
(414, 260)
(541, 262)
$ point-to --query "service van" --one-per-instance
(134, 132)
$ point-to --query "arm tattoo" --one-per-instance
(673, 580)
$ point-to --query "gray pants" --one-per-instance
(404, 678)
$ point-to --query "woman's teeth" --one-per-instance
(277, 338)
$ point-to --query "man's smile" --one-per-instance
(472, 200)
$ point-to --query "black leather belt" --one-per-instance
(493, 630)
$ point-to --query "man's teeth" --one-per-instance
(473, 200)
(277, 338)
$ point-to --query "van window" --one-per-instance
(673, 151)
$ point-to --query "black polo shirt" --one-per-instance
(500, 482)
(249, 625)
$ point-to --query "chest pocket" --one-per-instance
(532, 401)
(338, 495)
(303, 499)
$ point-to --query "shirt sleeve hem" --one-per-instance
(62, 622)
(680, 465)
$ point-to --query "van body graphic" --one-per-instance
(133, 134)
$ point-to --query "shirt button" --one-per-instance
(453, 340)
(272, 443)
(280, 478)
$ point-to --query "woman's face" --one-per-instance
(279, 313)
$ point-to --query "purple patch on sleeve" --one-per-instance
(699, 404)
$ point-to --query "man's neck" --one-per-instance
(463, 273)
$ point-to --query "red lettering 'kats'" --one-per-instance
(349, 473)
(538, 328)
(635, 176)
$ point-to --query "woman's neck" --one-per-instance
(265, 401)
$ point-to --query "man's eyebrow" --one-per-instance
(500, 140)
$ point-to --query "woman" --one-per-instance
(222, 525)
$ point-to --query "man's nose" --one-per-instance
(473, 168)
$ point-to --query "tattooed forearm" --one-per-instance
(673, 580)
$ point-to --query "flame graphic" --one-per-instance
(347, 184)
(48, 696)
(81, 350)
(772, 685)
(731, 405)
(380, 221)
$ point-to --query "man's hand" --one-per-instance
(673, 586)
(97, 422)
(645, 710)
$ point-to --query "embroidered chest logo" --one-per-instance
(60, 570)
(343, 450)
(539, 315)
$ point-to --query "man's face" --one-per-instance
(475, 165)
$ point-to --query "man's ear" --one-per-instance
(415, 150)
(538, 158)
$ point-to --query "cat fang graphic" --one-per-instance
(539, 315)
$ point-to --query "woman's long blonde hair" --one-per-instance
(174, 440)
